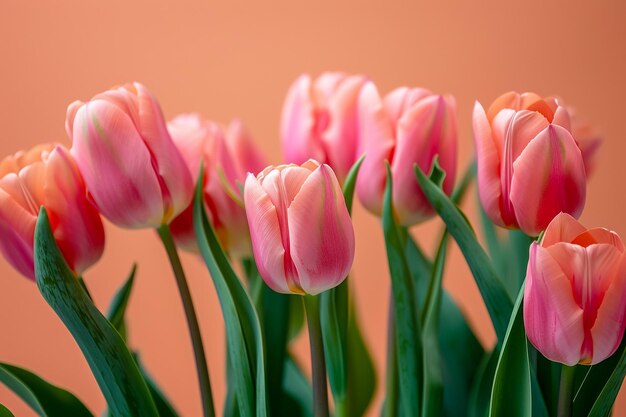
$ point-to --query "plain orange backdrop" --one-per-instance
(226, 59)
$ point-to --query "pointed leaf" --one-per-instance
(44, 398)
(408, 346)
(495, 296)
(4, 412)
(117, 309)
(511, 391)
(112, 364)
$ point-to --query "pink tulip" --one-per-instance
(227, 158)
(529, 165)
(302, 235)
(574, 310)
(408, 127)
(132, 169)
(319, 120)
(47, 176)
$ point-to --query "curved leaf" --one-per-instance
(408, 346)
(511, 390)
(495, 296)
(119, 303)
(44, 398)
(604, 402)
(244, 336)
(4, 412)
(112, 364)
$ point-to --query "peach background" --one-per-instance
(233, 59)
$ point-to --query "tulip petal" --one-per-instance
(510, 100)
(611, 319)
(116, 166)
(563, 228)
(299, 142)
(425, 130)
(246, 155)
(265, 234)
(488, 166)
(376, 140)
(552, 319)
(562, 118)
(321, 234)
(549, 177)
(340, 139)
(17, 228)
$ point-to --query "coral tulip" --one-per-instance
(302, 235)
(410, 126)
(133, 171)
(574, 310)
(47, 176)
(319, 120)
(227, 157)
(529, 165)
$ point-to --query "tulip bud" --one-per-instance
(574, 310)
(47, 176)
(529, 165)
(227, 160)
(408, 127)
(302, 235)
(132, 169)
(319, 120)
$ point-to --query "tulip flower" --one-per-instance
(319, 120)
(47, 176)
(410, 126)
(302, 235)
(227, 157)
(132, 169)
(529, 166)
(574, 310)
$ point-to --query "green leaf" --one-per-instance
(433, 383)
(243, 329)
(604, 402)
(350, 183)
(163, 405)
(511, 391)
(4, 412)
(480, 395)
(112, 364)
(495, 296)
(44, 398)
(408, 346)
(117, 309)
(298, 390)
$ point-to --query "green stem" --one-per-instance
(566, 390)
(391, 384)
(318, 363)
(192, 321)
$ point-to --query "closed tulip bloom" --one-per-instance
(133, 171)
(574, 310)
(529, 166)
(319, 120)
(409, 126)
(302, 235)
(227, 158)
(47, 176)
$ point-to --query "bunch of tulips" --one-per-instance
(279, 243)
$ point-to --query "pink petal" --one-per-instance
(488, 166)
(552, 319)
(376, 140)
(563, 228)
(562, 118)
(265, 234)
(17, 228)
(246, 154)
(116, 166)
(298, 139)
(549, 177)
(510, 100)
(321, 233)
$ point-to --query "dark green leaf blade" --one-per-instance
(45, 399)
(112, 364)
(117, 308)
(495, 296)
(244, 335)
(604, 402)
(5, 412)
(511, 390)
(408, 346)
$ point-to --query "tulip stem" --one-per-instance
(192, 321)
(318, 362)
(565, 391)
(391, 383)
